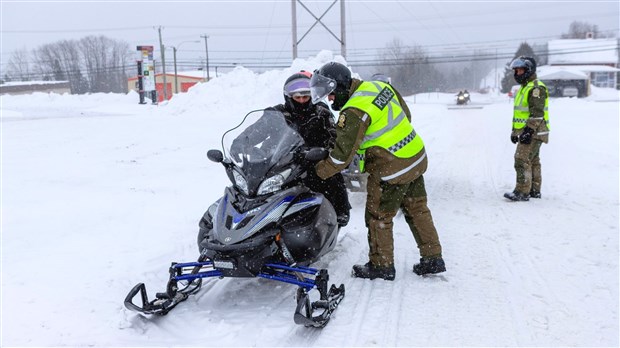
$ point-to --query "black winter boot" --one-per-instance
(370, 271)
(429, 266)
(535, 194)
(343, 219)
(517, 196)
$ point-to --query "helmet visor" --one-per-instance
(321, 87)
(297, 87)
(520, 63)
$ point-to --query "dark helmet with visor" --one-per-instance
(528, 64)
(381, 77)
(331, 78)
(297, 85)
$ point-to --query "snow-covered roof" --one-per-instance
(570, 72)
(588, 51)
(26, 83)
(593, 68)
(547, 72)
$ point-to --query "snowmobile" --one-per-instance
(462, 98)
(267, 224)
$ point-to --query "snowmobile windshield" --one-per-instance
(263, 141)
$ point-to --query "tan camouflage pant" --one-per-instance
(527, 166)
(382, 203)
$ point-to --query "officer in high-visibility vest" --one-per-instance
(530, 128)
(374, 121)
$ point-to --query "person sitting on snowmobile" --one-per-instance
(315, 124)
(462, 97)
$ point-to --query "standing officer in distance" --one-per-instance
(530, 128)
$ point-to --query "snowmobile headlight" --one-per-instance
(273, 183)
(240, 181)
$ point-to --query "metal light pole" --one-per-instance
(205, 36)
(163, 63)
(176, 75)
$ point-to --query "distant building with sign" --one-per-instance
(186, 79)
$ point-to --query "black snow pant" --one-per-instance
(333, 188)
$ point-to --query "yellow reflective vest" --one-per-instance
(521, 106)
(389, 127)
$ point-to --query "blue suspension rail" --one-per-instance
(278, 272)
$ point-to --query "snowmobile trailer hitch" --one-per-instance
(191, 273)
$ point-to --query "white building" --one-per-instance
(599, 58)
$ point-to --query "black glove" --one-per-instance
(514, 139)
(526, 136)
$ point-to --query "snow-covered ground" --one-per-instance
(100, 193)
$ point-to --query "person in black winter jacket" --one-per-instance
(315, 123)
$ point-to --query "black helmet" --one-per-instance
(527, 63)
(381, 77)
(331, 78)
(298, 84)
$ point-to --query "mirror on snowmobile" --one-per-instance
(316, 154)
(215, 156)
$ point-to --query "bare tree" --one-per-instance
(410, 68)
(105, 62)
(583, 30)
(92, 64)
(60, 61)
(398, 64)
(18, 66)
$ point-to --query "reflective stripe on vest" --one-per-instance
(389, 127)
(521, 111)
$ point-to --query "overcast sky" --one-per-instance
(260, 31)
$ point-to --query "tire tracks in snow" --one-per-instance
(515, 256)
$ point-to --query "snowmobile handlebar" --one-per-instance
(315, 154)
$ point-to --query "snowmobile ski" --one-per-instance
(164, 302)
(304, 313)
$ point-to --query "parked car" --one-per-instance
(570, 91)
(513, 91)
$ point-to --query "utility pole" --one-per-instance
(176, 75)
(294, 27)
(343, 32)
(163, 63)
(205, 36)
(496, 72)
(176, 80)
